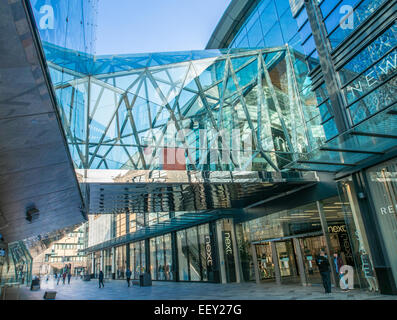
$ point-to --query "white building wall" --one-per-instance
(99, 228)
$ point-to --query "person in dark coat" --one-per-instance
(100, 278)
(69, 276)
(63, 277)
(325, 270)
(128, 275)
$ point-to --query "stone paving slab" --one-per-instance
(118, 290)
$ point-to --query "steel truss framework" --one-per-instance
(117, 110)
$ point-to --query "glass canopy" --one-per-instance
(373, 137)
(211, 110)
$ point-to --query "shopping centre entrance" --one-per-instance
(292, 260)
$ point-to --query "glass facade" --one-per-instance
(170, 115)
(70, 24)
(288, 234)
(107, 263)
(275, 23)
(161, 266)
(137, 258)
(358, 238)
(121, 261)
(264, 104)
(120, 224)
(341, 18)
(382, 182)
(369, 79)
(195, 254)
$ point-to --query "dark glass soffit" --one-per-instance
(372, 137)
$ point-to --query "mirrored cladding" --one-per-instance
(70, 24)
(211, 110)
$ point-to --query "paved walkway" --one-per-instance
(118, 290)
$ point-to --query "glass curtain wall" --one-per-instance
(382, 181)
(369, 79)
(161, 267)
(121, 261)
(364, 273)
(183, 266)
(195, 256)
(280, 22)
(107, 263)
(71, 24)
(153, 260)
(245, 254)
(332, 13)
(168, 266)
(304, 224)
(120, 222)
(137, 258)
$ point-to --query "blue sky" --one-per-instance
(136, 26)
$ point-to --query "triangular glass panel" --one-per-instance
(196, 108)
(249, 74)
(230, 87)
(127, 82)
(214, 92)
(238, 62)
(153, 95)
(140, 114)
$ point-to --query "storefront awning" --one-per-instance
(181, 220)
(146, 191)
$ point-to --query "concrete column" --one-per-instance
(256, 266)
(277, 271)
(324, 227)
(299, 258)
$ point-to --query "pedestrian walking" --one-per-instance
(128, 275)
(63, 277)
(325, 272)
(59, 278)
(100, 278)
(69, 276)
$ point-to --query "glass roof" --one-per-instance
(88, 64)
(370, 138)
(217, 110)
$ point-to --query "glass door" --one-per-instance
(265, 261)
(310, 249)
(286, 257)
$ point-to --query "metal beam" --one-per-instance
(371, 134)
(351, 150)
(325, 162)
